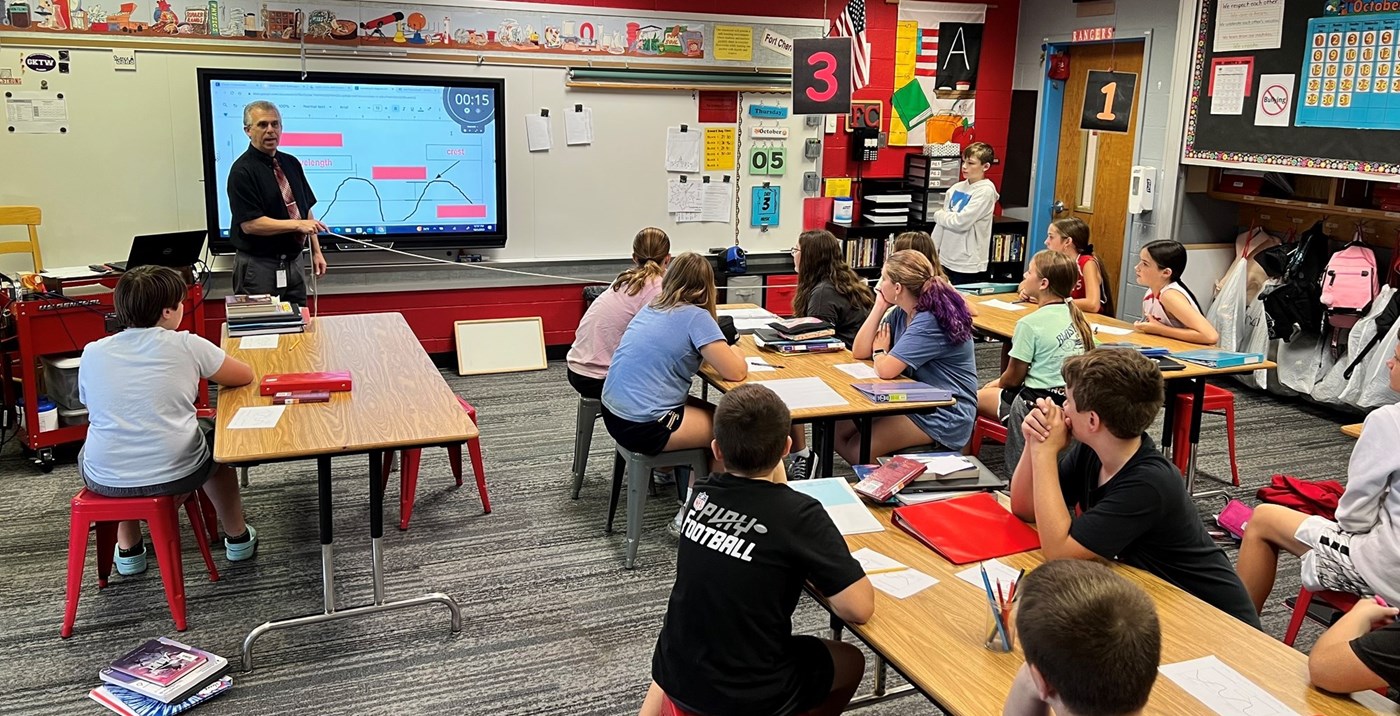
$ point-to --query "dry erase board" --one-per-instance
(503, 345)
(1354, 145)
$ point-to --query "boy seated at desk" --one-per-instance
(748, 544)
(1360, 652)
(1132, 501)
(1092, 642)
(143, 438)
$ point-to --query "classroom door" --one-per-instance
(1095, 168)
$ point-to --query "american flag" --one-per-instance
(852, 24)
(926, 62)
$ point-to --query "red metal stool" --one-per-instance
(1340, 601)
(1218, 401)
(408, 471)
(986, 429)
(161, 514)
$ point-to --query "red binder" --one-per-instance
(331, 380)
(967, 529)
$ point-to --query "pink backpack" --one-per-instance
(1349, 284)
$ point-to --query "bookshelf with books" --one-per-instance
(867, 246)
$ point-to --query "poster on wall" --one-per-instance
(920, 50)
(1350, 72)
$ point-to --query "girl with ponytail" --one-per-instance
(1041, 342)
(919, 329)
(602, 326)
(1070, 236)
(1170, 309)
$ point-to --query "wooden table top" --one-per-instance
(935, 638)
(1001, 322)
(398, 397)
(817, 365)
(1352, 431)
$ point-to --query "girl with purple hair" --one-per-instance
(920, 329)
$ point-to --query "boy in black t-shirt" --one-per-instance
(748, 544)
(1132, 501)
(1360, 652)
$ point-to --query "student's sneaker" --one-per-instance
(131, 564)
(802, 467)
(663, 476)
(673, 527)
(239, 551)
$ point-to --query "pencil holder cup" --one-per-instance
(1000, 626)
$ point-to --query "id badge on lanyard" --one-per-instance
(281, 278)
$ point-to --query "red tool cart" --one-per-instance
(36, 326)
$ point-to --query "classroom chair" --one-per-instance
(985, 429)
(1219, 401)
(589, 410)
(29, 217)
(637, 467)
(408, 470)
(1341, 601)
(161, 515)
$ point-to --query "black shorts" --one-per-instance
(647, 438)
(587, 387)
(811, 683)
(179, 486)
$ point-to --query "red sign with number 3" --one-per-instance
(821, 75)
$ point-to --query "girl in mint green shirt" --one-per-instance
(1042, 340)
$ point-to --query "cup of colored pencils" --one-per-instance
(1001, 600)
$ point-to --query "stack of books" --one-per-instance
(799, 335)
(262, 314)
(160, 678)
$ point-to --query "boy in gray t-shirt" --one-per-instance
(143, 437)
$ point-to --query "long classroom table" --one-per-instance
(934, 639)
(1001, 323)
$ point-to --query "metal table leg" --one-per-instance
(864, 425)
(329, 612)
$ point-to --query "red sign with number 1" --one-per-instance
(821, 75)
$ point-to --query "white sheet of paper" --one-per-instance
(537, 133)
(1248, 25)
(688, 217)
(1373, 701)
(682, 150)
(1273, 100)
(919, 498)
(36, 112)
(870, 559)
(995, 571)
(684, 195)
(737, 313)
(718, 201)
(69, 272)
(758, 365)
(801, 393)
(902, 584)
(262, 416)
(578, 126)
(250, 343)
(847, 512)
(1111, 330)
(944, 464)
(752, 324)
(1229, 89)
(1226, 691)
(1003, 305)
(862, 371)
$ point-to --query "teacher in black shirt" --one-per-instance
(272, 220)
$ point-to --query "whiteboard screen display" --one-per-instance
(419, 161)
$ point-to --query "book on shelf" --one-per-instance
(131, 703)
(903, 391)
(987, 288)
(148, 671)
(887, 479)
(1213, 358)
(902, 218)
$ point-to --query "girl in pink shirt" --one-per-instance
(601, 329)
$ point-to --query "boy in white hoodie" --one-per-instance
(1359, 553)
(963, 231)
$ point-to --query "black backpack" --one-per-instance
(1294, 307)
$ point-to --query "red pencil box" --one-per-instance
(330, 380)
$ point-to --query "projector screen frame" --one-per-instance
(205, 76)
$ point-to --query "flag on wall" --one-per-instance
(851, 24)
(926, 61)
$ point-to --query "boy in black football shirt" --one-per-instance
(748, 544)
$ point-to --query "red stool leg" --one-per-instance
(974, 446)
(408, 484)
(211, 519)
(1230, 439)
(1181, 436)
(106, 546)
(478, 467)
(454, 459)
(77, 559)
(194, 508)
(1300, 611)
(165, 534)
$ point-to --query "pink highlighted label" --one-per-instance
(461, 211)
(311, 139)
(418, 173)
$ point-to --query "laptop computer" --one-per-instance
(179, 249)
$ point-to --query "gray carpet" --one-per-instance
(552, 623)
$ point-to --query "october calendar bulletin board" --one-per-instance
(1343, 103)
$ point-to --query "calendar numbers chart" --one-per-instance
(764, 208)
(1351, 73)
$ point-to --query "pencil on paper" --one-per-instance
(884, 570)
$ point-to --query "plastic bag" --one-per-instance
(1254, 338)
(1375, 389)
(1361, 334)
(1228, 310)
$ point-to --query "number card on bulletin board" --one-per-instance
(1350, 73)
(1108, 101)
(821, 75)
(764, 211)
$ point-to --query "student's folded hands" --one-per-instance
(1045, 427)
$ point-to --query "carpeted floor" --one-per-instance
(552, 624)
